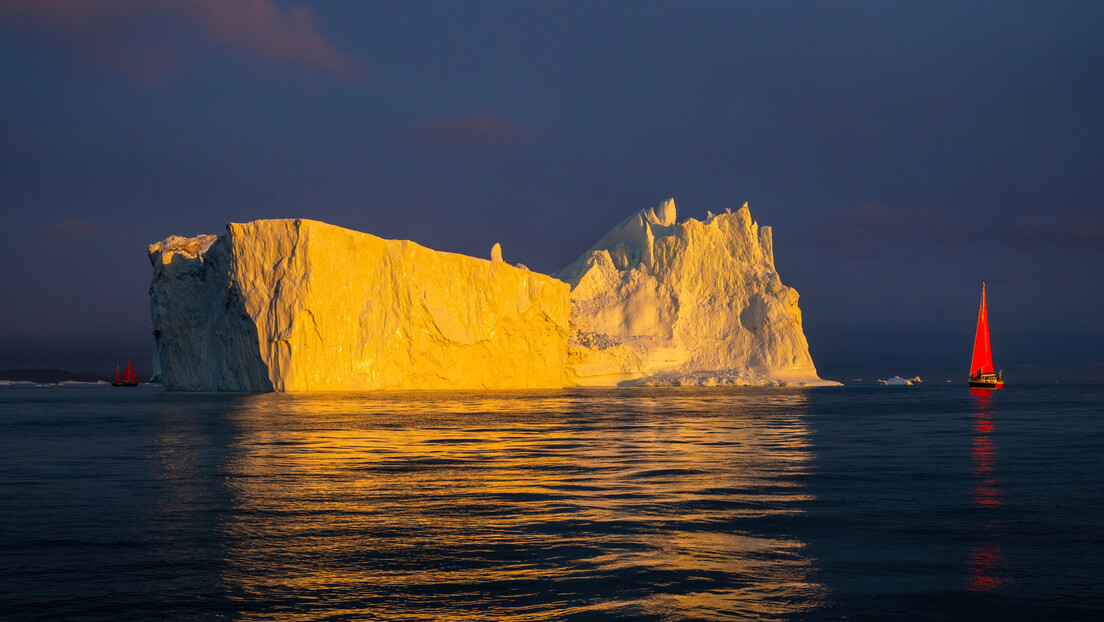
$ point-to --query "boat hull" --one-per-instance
(986, 384)
(124, 384)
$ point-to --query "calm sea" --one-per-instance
(854, 503)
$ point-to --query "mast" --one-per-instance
(982, 360)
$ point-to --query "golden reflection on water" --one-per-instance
(519, 505)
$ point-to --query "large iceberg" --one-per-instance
(658, 301)
(300, 305)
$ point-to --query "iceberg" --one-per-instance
(661, 302)
(300, 305)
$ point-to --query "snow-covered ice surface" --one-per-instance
(661, 302)
(300, 305)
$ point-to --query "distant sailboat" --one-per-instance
(982, 375)
(129, 379)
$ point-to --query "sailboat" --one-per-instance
(982, 375)
(129, 379)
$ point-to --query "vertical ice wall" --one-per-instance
(299, 305)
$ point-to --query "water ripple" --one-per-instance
(668, 504)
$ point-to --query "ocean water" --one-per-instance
(853, 503)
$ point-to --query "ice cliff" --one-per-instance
(299, 305)
(658, 301)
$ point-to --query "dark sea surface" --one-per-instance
(854, 503)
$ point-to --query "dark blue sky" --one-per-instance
(903, 152)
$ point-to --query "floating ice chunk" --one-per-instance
(299, 305)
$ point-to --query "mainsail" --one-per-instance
(982, 361)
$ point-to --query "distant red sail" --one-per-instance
(982, 360)
(129, 378)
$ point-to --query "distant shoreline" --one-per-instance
(49, 376)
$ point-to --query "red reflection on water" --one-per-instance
(983, 396)
(985, 563)
(986, 492)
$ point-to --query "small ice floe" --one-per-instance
(895, 381)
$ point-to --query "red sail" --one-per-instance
(130, 376)
(982, 361)
(116, 374)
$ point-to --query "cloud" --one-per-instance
(118, 32)
(1055, 232)
(868, 231)
(22, 145)
(863, 231)
(486, 129)
(67, 228)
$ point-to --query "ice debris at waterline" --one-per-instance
(300, 305)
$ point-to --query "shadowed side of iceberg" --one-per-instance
(203, 339)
